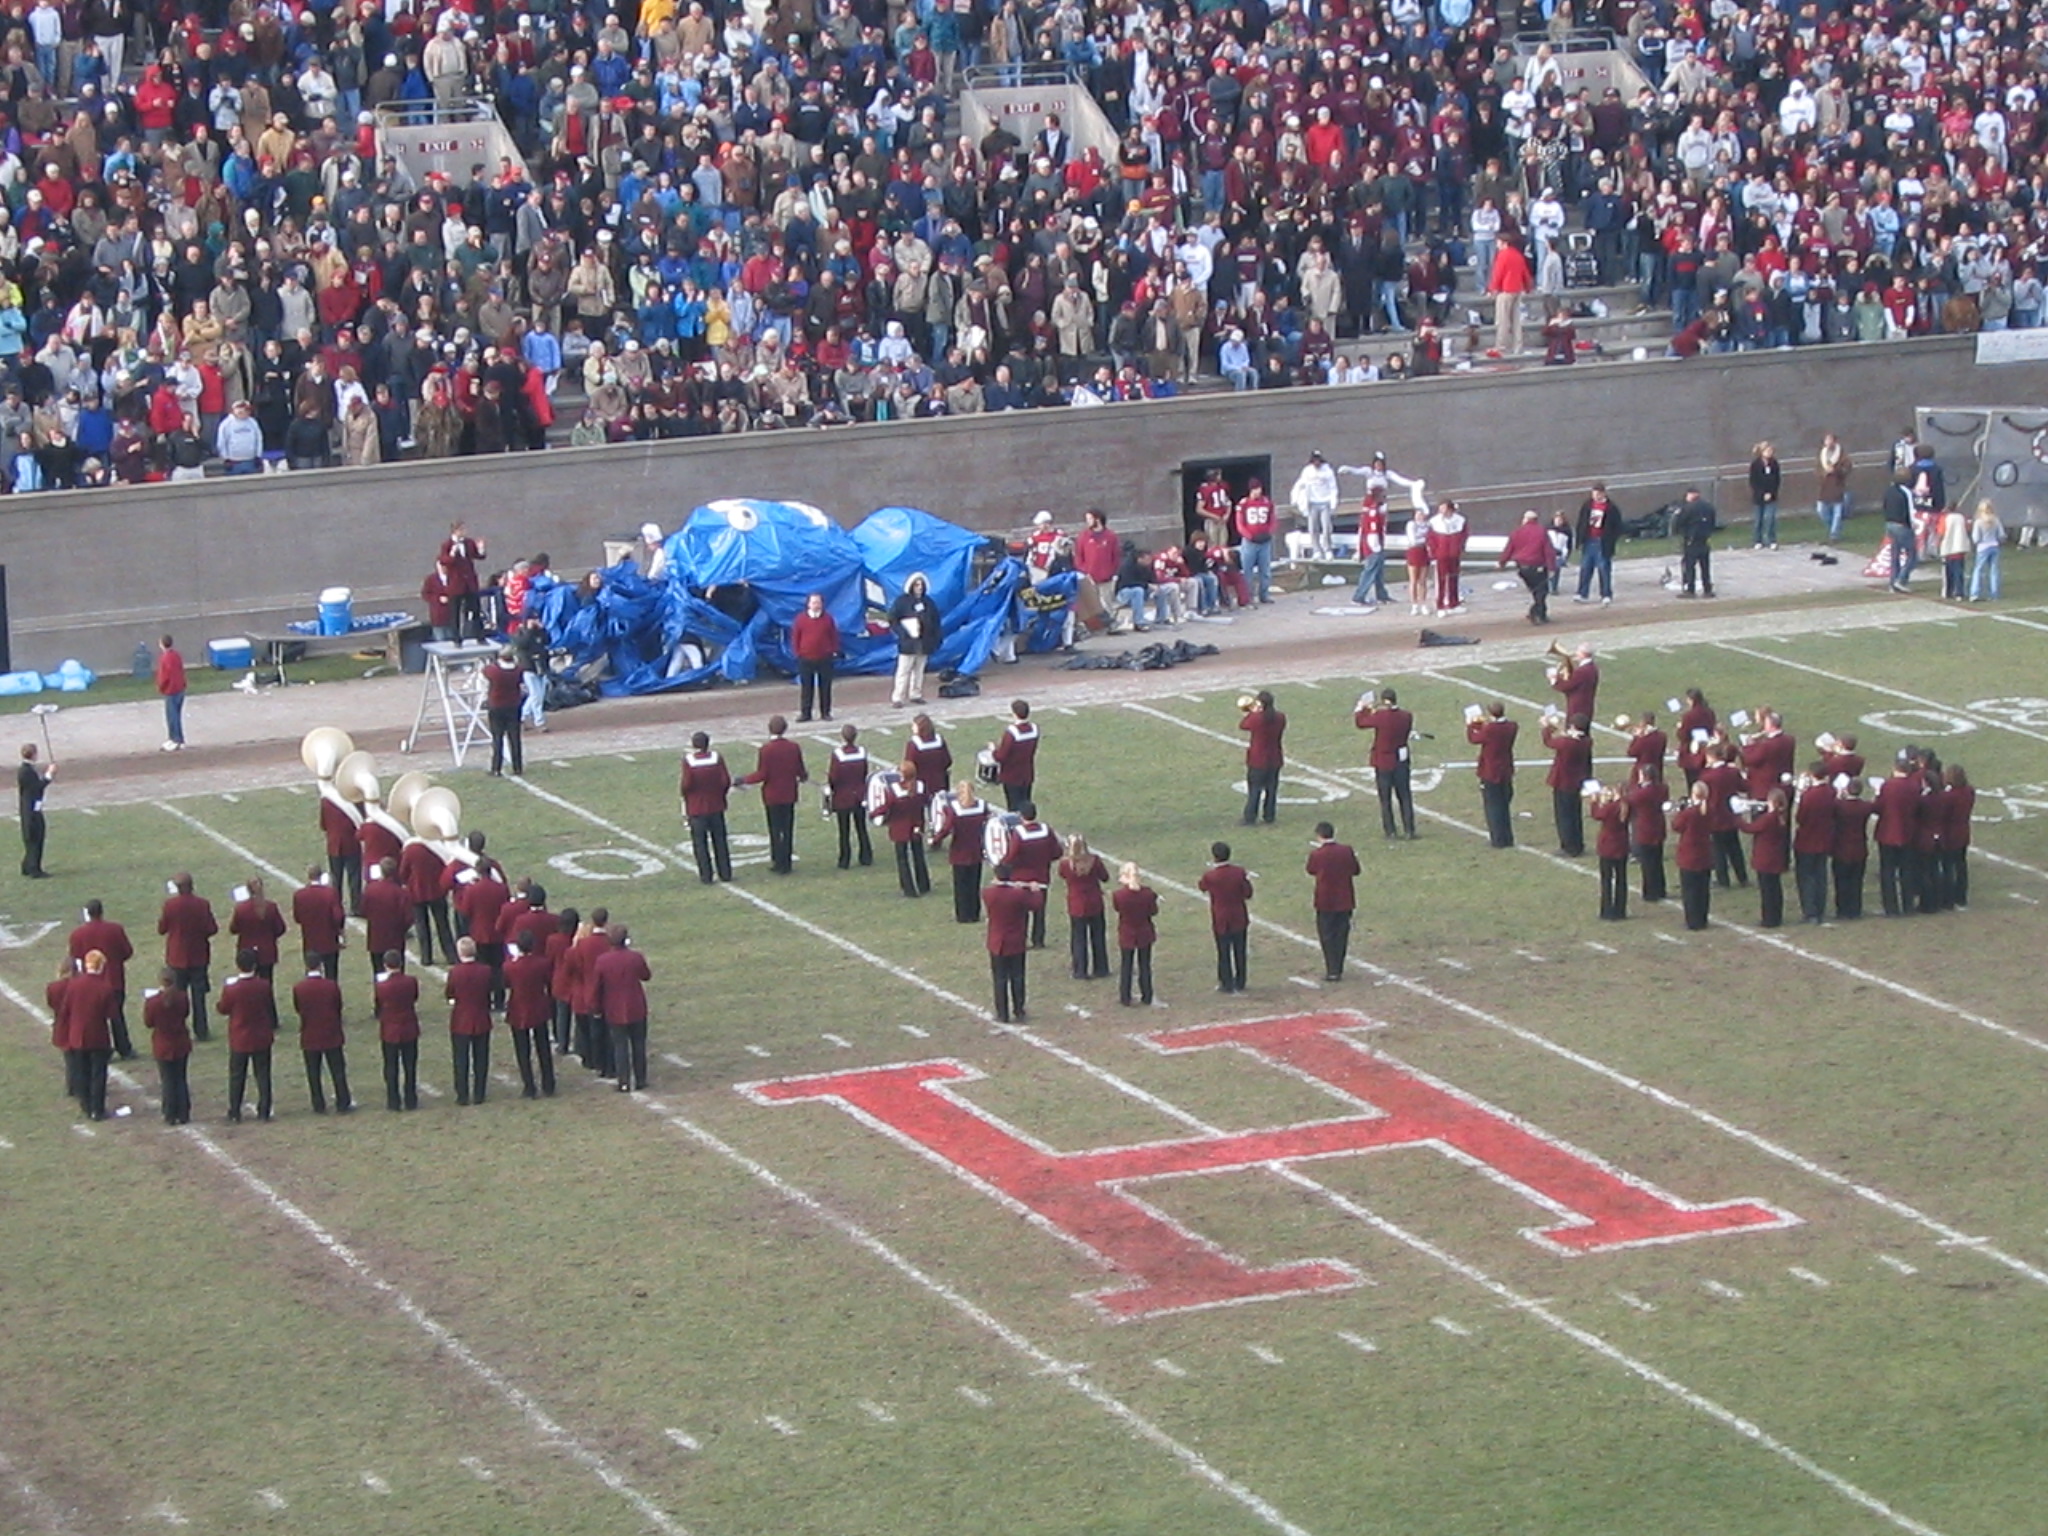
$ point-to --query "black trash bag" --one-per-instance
(960, 687)
(567, 693)
(1438, 637)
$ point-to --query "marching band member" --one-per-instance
(379, 842)
(60, 1025)
(420, 869)
(387, 912)
(1263, 757)
(166, 1014)
(1930, 822)
(593, 1040)
(250, 1006)
(341, 825)
(1087, 928)
(779, 770)
(902, 815)
(257, 925)
(621, 974)
(1647, 744)
(1958, 803)
(1839, 756)
(1769, 756)
(1695, 857)
(706, 787)
(933, 758)
(1697, 726)
(468, 991)
(1724, 782)
(1032, 855)
(88, 1022)
(1229, 890)
(529, 1013)
(322, 1042)
(1577, 677)
(1611, 813)
(1645, 799)
(1137, 907)
(1571, 764)
(1851, 851)
(1391, 726)
(322, 924)
(1017, 756)
(1813, 842)
(1333, 866)
(846, 780)
(188, 926)
(100, 932)
(1494, 735)
(1898, 856)
(398, 1031)
(561, 983)
(1010, 903)
(962, 826)
(1770, 856)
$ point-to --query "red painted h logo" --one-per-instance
(1084, 1197)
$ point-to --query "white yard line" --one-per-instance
(544, 1424)
(48, 1514)
(1937, 706)
(1358, 1342)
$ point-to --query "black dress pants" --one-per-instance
(530, 1045)
(1333, 932)
(472, 1067)
(782, 837)
(1140, 961)
(1230, 961)
(175, 1090)
(239, 1065)
(709, 847)
(1088, 946)
(336, 1063)
(1695, 888)
(967, 893)
(1007, 973)
(402, 1074)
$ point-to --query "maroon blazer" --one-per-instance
(379, 843)
(1085, 881)
(1495, 740)
(1646, 813)
(1009, 909)
(398, 1007)
(1135, 914)
(1017, 754)
(1390, 729)
(1695, 838)
(622, 975)
(1334, 866)
(504, 684)
(1898, 809)
(1267, 727)
(480, 901)
(1649, 748)
(1958, 804)
(903, 813)
(581, 964)
(251, 1008)
(419, 871)
(387, 913)
(527, 1003)
(846, 775)
(1767, 760)
(318, 912)
(1771, 853)
(187, 924)
(166, 1017)
(1037, 850)
(706, 784)
(963, 833)
(814, 639)
(1723, 780)
(1571, 758)
(779, 770)
(1852, 825)
(88, 1012)
(317, 1002)
(111, 940)
(933, 760)
(1229, 890)
(257, 925)
(1815, 829)
(1612, 818)
(469, 998)
(344, 836)
(1580, 690)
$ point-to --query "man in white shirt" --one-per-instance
(1315, 498)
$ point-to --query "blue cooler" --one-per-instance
(231, 655)
(337, 611)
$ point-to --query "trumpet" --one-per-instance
(1624, 722)
(1247, 702)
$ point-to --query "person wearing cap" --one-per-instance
(1315, 497)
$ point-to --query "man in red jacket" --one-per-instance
(187, 925)
(170, 684)
(504, 694)
(1534, 557)
(257, 925)
(317, 1000)
(111, 940)
(1494, 735)
(1334, 868)
(1813, 842)
(1571, 764)
(706, 786)
(387, 913)
(250, 1005)
(398, 1031)
(323, 926)
(814, 641)
(1264, 757)
(779, 770)
(1229, 890)
(421, 869)
(1016, 752)
(468, 991)
(1009, 906)
(1391, 726)
(1768, 756)
(1898, 825)
(963, 828)
(622, 977)
(528, 1012)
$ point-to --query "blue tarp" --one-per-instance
(694, 627)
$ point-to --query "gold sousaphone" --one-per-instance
(324, 750)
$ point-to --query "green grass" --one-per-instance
(121, 688)
(612, 1260)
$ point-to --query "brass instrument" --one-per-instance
(1624, 723)
(1562, 671)
(404, 791)
(325, 749)
(436, 814)
(1247, 702)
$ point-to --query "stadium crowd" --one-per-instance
(745, 216)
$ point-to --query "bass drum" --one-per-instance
(879, 783)
(938, 815)
(999, 838)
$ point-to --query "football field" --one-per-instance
(1532, 1223)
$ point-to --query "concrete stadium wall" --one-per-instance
(89, 575)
